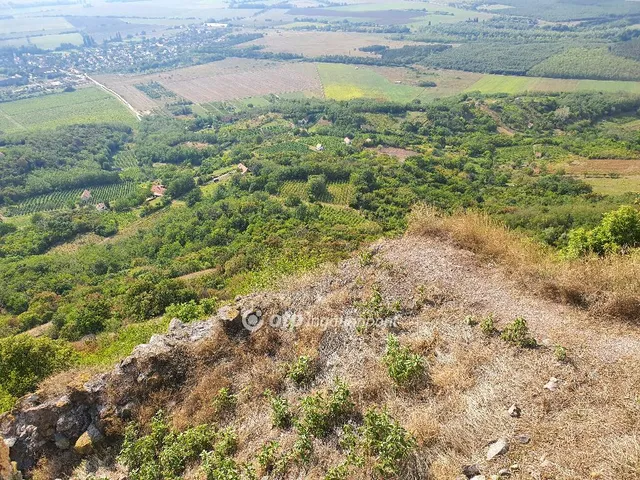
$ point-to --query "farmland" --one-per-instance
(62, 199)
(345, 82)
(87, 105)
(490, 84)
(317, 44)
(229, 79)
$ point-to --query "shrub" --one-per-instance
(517, 333)
(321, 413)
(224, 402)
(487, 326)
(618, 231)
(189, 311)
(25, 361)
(301, 371)
(163, 453)
(387, 441)
(560, 353)
(281, 415)
(405, 367)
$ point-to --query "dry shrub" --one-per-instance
(607, 286)
(155, 401)
(63, 382)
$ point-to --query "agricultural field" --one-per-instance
(65, 198)
(490, 84)
(50, 42)
(345, 82)
(316, 44)
(339, 193)
(614, 185)
(229, 79)
(87, 105)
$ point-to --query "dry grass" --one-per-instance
(605, 286)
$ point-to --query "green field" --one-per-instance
(87, 105)
(345, 82)
(490, 84)
(50, 42)
(614, 186)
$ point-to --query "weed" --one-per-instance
(339, 472)
(487, 325)
(376, 309)
(517, 333)
(387, 441)
(560, 353)
(268, 456)
(321, 413)
(301, 371)
(470, 320)
(281, 415)
(224, 402)
(365, 258)
(405, 367)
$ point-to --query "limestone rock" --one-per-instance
(84, 445)
(499, 447)
(523, 438)
(515, 411)
(552, 384)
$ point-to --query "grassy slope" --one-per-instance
(87, 105)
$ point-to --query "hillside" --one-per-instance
(333, 406)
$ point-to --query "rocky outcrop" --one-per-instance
(81, 420)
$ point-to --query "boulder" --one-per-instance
(471, 471)
(84, 445)
(499, 447)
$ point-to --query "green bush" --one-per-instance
(487, 325)
(618, 231)
(301, 371)
(25, 361)
(387, 441)
(321, 413)
(281, 415)
(517, 333)
(405, 367)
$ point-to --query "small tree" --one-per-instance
(317, 187)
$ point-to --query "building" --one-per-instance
(319, 148)
(158, 190)
(101, 207)
(86, 196)
(242, 168)
(347, 141)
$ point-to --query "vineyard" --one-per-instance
(335, 215)
(339, 193)
(125, 159)
(68, 198)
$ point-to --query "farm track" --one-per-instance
(117, 95)
(12, 120)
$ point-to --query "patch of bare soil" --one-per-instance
(399, 153)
